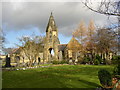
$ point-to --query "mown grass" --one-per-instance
(65, 76)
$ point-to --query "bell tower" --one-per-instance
(51, 41)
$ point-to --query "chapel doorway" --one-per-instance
(51, 54)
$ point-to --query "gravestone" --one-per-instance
(70, 61)
(39, 60)
(7, 61)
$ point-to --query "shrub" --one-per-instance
(55, 62)
(86, 60)
(96, 62)
(104, 61)
(116, 59)
(108, 62)
(116, 70)
(105, 77)
(60, 62)
(98, 57)
(80, 59)
(63, 62)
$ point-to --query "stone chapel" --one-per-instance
(52, 45)
(51, 41)
(53, 50)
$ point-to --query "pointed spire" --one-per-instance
(51, 13)
(51, 23)
(73, 34)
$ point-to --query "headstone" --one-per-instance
(70, 61)
(39, 60)
(7, 61)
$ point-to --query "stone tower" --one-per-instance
(51, 41)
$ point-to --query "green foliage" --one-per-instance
(86, 60)
(80, 59)
(60, 62)
(107, 61)
(105, 77)
(116, 70)
(116, 59)
(104, 61)
(63, 62)
(97, 60)
(55, 62)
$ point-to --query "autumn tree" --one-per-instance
(91, 29)
(90, 45)
(109, 8)
(80, 32)
(86, 38)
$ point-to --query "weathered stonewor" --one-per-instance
(51, 41)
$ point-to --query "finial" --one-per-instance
(73, 34)
(51, 13)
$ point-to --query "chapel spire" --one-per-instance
(51, 23)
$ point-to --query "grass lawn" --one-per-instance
(65, 76)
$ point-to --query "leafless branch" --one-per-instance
(106, 8)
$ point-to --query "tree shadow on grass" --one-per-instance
(59, 79)
(90, 83)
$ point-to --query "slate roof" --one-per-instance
(61, 47)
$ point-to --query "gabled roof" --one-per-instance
(8, 50)
(15, 51)
(61, 47)
(73, 44)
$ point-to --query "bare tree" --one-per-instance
(107, 7)
(80, 34)
(90, 44)
(91, 30)
(106, 41)
(2, 40)
(31, 47)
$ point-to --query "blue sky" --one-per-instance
(12, 37)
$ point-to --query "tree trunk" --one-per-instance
(30, 64)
